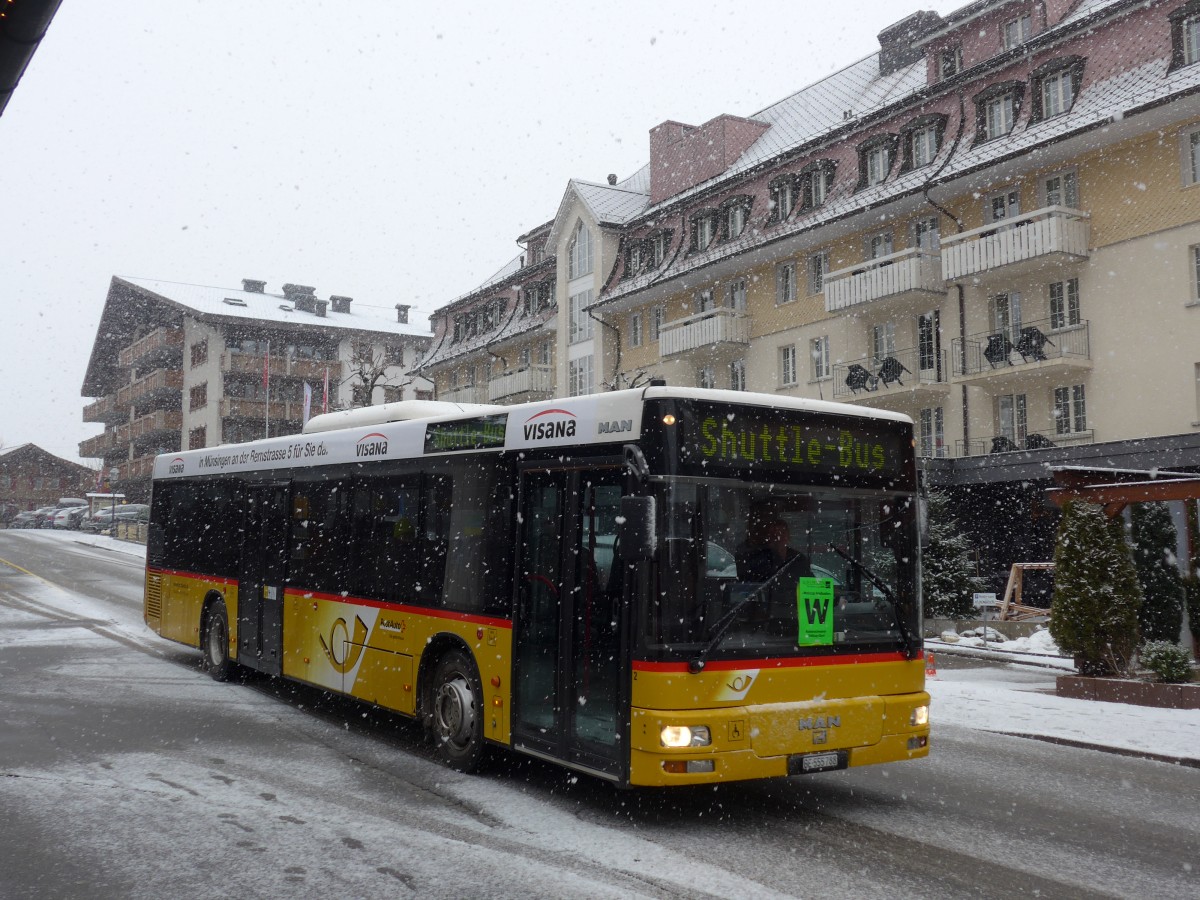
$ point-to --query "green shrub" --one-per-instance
(947, 577)
(1191, 587)
(1096, 593)
(1168, 660)
(1154, 540)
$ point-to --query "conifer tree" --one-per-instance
(947, 581)
(1096, 592)
(1154, 541)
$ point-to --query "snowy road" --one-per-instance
(125, 772)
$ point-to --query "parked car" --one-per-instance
(101, 521)
(24, 519)
(43, 516)
(69, 518)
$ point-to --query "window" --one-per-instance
(1194, 251)
(1191, 157)
(1006, 314)
(737, 294)
(929, 342)
(927, 235)
(1061, 190)
(1070, 409)
(933, 432)
(545, 354)
(819, 350)
(199, 353)
(785, 283)
(580, 323)
(1055, 86)
(875, 160)
(635, 257)
(579, 259)
(197, 438)
(1016, 32)
(816, 181)
(198, 397)
(704, 229)
(734, 213)
(1004, 205)
(883, 341)
(783, 198)
(997, 109)
(1185, 35)
(660, 245)
(1064, 303)
(920, 141)
(818, 265)
(787, 365)
(950, 62)
(1012, 418)
(579, 376)
(924, 146)
(392, 394)
(879, 245)
(737, 375)
(1058, 93)
(705, 301)
(635, 329)
(394, 354)
(657, 314)
(524, 357)
(706, 377)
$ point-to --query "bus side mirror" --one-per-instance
(637, 533)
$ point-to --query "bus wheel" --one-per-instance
(215, 642)
(456, 712)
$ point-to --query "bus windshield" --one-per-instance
(766, 569)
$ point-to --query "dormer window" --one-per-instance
(816, 180)
(1016, 31)
(922, 138)
(579, 260)
(1185, 35)
(875, 159)
(660, 246)
(1055, 85)
(704, 229)
(636, 255)
(950, 62)
(783, 198)
(997, 109)
(734, 213)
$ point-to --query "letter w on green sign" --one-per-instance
(814, 610)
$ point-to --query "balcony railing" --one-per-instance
(706, 329)
(870, 377)
(1051, 234)
(472, 394)
(106, 410)
(896, 275)
(1027, 344)
(1031, 440)
(531, 379)
(160, 383)
(256, 410)
(102, 445)
(157, 422)
(162, 342)
(135, 469)
(281, 366)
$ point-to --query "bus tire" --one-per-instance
(214, 641)
(456, 711)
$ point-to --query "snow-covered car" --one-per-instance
(68, 519)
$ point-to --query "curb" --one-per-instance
(1102, 748)
(998, 656)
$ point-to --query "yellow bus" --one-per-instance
(660, 586)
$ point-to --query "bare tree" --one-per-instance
(368, 370)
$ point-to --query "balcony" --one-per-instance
(1032, 440)
(158, 384)
(1002, 358)
(1043, 238)
(711, 328)
(910, 374)
(908, 275)
(159, 422)
(161, 345)
(529, 380)
(106, 410)
(136, 469)
(256, 410)
(281, 366)
(104, 446)
(470, 394)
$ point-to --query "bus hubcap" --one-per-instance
(454, 710)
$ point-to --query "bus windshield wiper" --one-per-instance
(901, 625)
(696, 663)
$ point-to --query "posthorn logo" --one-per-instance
(550, 425)
(373, 444)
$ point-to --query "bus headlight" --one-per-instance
(920, 716)
(686, 736)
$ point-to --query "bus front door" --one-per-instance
(567, 696)
(261, 578)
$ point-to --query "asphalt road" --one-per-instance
(126, 772)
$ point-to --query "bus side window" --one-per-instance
(435, 537)
(386, 530)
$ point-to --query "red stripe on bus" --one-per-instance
(229, 582)
(727, 665)
(399, 607)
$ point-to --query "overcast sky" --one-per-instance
(388, 151)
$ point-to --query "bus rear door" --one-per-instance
(262, 576)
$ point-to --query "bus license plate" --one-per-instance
(817, 762)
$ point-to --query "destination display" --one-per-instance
(481, 433)
(714, 440)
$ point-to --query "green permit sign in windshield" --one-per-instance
(814, 610)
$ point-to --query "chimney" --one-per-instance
(321, 304)
(303, 297)
(341, 304)
(402, 313)
(253, 287)
(895, 41)
(612, 179)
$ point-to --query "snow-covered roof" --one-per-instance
(269, 307)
